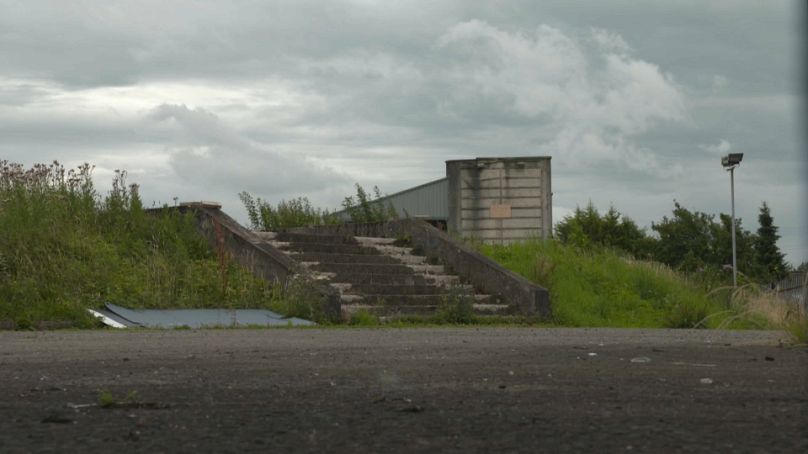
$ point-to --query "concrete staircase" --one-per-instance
(379, 275)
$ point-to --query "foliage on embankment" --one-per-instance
(602, 287)
(65, 248)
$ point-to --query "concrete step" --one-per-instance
(413, 300)
(373, 240)
(378, 275)
(390, 312)
(392, 279)
(387, 311)
(396, 289)
(380, 279)
(361, 268)
(329, 248)
(325, 257)
(290, 237)
(493, 309)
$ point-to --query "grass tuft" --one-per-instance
(457, 308)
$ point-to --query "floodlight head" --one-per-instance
(732, 159)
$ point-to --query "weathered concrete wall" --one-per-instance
(500, 200)
(488, 276)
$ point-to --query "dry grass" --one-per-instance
(765, 309)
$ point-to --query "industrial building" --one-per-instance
(495, 200)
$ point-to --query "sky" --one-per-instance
(635, 101)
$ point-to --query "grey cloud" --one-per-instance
(621, 93)
(208, 152)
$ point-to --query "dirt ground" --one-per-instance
(402, 390)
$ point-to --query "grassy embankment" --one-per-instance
(65, 248)
(600, 287)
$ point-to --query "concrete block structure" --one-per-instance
(495, 200)
(500, 200)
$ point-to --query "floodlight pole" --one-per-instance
(734, 257)
(730, 162)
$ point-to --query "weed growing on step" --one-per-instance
(285, 215)
(364, 208)
(457, 307)
(361, 208)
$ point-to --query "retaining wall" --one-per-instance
(253, 253)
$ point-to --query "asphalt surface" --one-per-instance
(403, 390)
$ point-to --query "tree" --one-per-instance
(587, 228)
(744, 245)
(686, 240)
(693, 240)
(769, 261)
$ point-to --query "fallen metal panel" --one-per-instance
(110, 319)
(200, 318)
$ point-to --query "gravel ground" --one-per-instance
(395, 390)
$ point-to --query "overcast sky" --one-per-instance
(634, 101)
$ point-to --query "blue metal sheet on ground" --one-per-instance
(200, 318)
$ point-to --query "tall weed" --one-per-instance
(64, 247)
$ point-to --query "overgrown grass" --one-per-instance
(764, 309)
(603, 288)
(65, 248)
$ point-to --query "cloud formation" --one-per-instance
(201, 100)
(721, 148)
(204, 150)
(594, 99)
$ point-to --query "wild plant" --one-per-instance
(65, 247)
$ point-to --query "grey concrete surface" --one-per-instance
(403, 390)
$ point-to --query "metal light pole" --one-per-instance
(730, 162)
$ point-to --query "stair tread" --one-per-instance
(379, 274)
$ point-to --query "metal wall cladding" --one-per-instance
(426, 201)
(500, 200)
